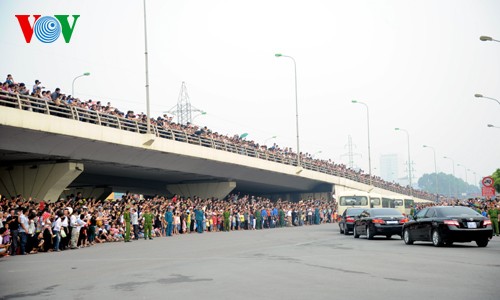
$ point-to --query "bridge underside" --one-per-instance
(125, 168)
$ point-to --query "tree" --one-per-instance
(496, 178)
(449, 185)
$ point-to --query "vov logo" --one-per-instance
(47, 29)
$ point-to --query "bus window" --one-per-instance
(398, 203)
(353, 201)
(374, 202)
(408, 203)
(387, 202)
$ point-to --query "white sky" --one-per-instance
(417, 64)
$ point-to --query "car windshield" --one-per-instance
(385, 212)
(353, 200)
(457, 211)
(353, 211)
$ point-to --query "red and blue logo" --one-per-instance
(47, 29)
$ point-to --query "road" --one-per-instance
(314, 262)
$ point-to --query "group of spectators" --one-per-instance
(27, 227)
(480, 205)
(58, 98)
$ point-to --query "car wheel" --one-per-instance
(355, 233)
(346, 231)
(369, 233)
(482, 243)
(388, 236)
(437, 241)
(407, 237)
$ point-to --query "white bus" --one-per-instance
(352, 199)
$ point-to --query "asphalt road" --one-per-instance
(314, 262)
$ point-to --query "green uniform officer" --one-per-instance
(281, 214)
(148, 224)
(126, 219)
(226, 215)
(258, 217)
(493, 214)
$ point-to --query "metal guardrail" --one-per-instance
(38, 105)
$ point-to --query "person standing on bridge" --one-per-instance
(126, 220)
(148, 223)
(169, 218)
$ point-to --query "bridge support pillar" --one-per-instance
(203, 189)
(38, 181)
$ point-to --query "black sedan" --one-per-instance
(346, 221)
(444, 225)
(379, 221)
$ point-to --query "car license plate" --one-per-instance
(471, 225)
(392, 222)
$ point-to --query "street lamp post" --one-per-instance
(409, 160)
(368, 125)
(485, 38)
(454, 178)
(273, 137)
(202, 113)
(475, 178)
(493, 126)
(435, 171)
(466, 180)
(147, 73)
(296, 106)
(73, 84)
(481, 96)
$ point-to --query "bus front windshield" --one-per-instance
(353, 201)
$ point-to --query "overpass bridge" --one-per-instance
(48, 150)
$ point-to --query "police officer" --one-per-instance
(258, 217)
(226, 215)
(148, 223)
(493, 215)
(126, 219)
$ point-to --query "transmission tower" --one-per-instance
(183, 109)
(350, 152)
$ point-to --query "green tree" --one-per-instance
(496, 178)
(448, 185)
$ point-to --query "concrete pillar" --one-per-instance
(38, 181)
(203, 189)
(99, 193)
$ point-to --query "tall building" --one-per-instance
(389, 167)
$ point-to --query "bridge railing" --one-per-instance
(52, 108)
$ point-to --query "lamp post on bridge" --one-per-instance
(368, 125)
(296, 106)
(409, 160)
(73, 83)
(435, 171)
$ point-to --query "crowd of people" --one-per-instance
(27, 227)
(58, 98)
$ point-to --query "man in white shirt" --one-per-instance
(134, 219)
(75, 232)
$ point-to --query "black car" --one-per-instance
(379, 221)
(346, 222)
(444, 225)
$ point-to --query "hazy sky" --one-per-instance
(417, 64)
